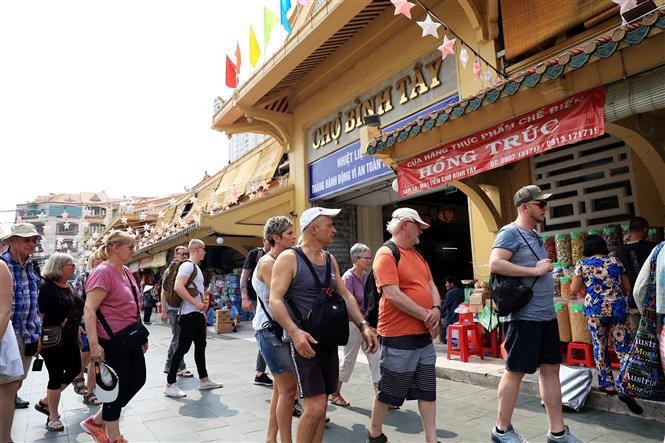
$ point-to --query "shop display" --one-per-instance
(579, 332)
(561, 309)
(612, 236)
(565, 287)
(549, 245)
(577, 246)
(655, 234)
(562, 245)
(626, 232)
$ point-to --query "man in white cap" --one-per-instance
(532, 334)
(317, 367)
(21, 242)
(409, 314)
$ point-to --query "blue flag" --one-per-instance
(284, 6)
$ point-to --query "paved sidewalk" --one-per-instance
(237, 412)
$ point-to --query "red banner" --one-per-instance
(568, 121)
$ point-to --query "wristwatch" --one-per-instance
(362, 324)
(437, 307)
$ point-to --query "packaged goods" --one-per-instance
(565, 287)
(557, 273)
(549, 245)
(626, 232)
(612, 236)
(562, 245)
(579, 332)
(482, 289)
(561, 309)
(476, 299)
(577, 246)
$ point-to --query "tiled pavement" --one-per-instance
(237, 412)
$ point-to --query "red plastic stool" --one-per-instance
(467, 344)
(614, 359)
(491, 342)
(586, 352)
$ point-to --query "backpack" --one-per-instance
(372, 293)
(327, 320)
(168, 283)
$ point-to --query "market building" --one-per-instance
(564, 97)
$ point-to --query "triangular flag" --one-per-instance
(237, 54)
(270, 19)
(231, 74)
(304, 2)
(284, 6)
(254, 50)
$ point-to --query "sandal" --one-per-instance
(91, 399)
(186, 373)
(79, 386)
(54, 425)
(338, 400)
(42, 407)
(608, 391)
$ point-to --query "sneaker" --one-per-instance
(209, 384)
(567, 437)
(263, 380)
(380, 439)
(97, 432)
(174, 392)
(19, 403)
(509, 436)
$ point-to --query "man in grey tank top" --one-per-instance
(317, 368)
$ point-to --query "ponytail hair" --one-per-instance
(114, 238)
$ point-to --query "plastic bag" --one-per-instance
(488, 319)
(11, 363)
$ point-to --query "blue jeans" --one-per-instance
(276, 353)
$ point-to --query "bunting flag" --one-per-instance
(304, 2)
(270, 19)
(237, 54)
(284, 6)
(254, 49)
(231, 74)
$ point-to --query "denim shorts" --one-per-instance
(275, 352)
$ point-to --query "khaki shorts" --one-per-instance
(27, 361)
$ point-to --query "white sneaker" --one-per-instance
(210, 384)
(174, 391)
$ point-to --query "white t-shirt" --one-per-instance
(186, 269)
(262, 292)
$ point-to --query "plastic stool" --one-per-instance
(586, 351)
(466, 346)
(491, 342)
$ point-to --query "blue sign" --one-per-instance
(347, 167)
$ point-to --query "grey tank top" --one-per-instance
(304, 290)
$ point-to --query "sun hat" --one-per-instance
(309, 215)
(106, 388)
(25, 230)
(528, 194)
(411, 214)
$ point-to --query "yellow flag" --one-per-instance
(254, 49)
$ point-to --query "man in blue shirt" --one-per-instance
(233, 313)
(22, 241)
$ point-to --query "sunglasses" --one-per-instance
(540, 204)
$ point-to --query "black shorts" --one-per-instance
(532, 343)
(318, 375)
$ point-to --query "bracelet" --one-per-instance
(437, 307)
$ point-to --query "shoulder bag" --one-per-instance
(510, 294)
(132, 336)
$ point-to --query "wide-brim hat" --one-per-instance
(106, 388)
(25, 230)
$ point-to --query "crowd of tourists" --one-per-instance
(306, 310)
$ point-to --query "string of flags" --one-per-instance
(430, 27)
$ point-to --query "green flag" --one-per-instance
(270, 19)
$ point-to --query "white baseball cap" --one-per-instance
(411, 214)
(309, 215)
(106, 388)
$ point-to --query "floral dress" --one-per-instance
(606, 310)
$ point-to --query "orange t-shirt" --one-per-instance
(413, 275)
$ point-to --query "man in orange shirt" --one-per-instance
(409, 313)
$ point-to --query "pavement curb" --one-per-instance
(597, 400)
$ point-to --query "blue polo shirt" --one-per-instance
(25, 309)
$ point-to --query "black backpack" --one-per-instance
(327, 320)
(372, 293)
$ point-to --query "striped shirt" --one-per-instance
(25, 311)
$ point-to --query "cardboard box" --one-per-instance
(223, 328)
(476, 300)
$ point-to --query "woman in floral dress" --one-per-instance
(606, 309)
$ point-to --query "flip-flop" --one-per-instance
(79, 386)
(186, 373)
(54, 425)
(91, 400)
(338, 400)
(42, 407)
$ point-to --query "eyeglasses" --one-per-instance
(69, 264)
(365, 258)
(540, 204)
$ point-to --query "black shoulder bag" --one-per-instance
(510, 294)
(132, 336)
(327, 320)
